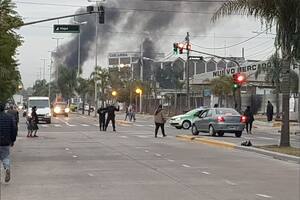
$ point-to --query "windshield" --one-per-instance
(38, 103)
(226, 111)
(192, 112)
(61, 105)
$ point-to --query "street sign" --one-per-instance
(66, 28)
(195, 58)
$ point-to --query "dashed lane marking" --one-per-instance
(230, 182)
(57, 125)
(123, 136)
(143, 136)
(85, 125)
(170, 160)
(158, 155)
(67, 149)
(207, 173)
(264, 195)
(91, 175)
(139, 125)
(45, 126)
(96, 125)
(267, 138)
(74, 156)
(187, 166)
(146, 151)
(71, 125)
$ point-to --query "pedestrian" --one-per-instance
(270, 111)
(34, 122)
(126, 113)
(111, 116)
(159, 120)
(102, 112)
(29, 126)
(249, 119)
(8, 134)
(133, 109)
(216, 105)
(14, 112)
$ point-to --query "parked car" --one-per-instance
(219, 121)
(186, 120)
(86, 107)
(61, 108)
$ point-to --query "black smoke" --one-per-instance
(140, 17)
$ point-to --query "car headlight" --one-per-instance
(67, 110)
(48, 115)
(56, 109)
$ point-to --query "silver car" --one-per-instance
(219, 121)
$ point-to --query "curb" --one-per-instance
(218, 143)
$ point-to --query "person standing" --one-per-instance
(34, 122)
(126, 113)
(249, 119)
(14, 112)
(8, 134)
(102, 112)
(270, 111)
(111, 116)
(159, 120)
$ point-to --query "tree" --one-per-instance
(285, 15)
(40, 88)
(221, 87)
(82, 89)
(273, 75)
(100, 75)
(67, 81)
(10, 77)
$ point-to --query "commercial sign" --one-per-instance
(66, 28)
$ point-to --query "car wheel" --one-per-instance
(238, 134)
(195, 130)
(54, 115)
(49, 121)
(178, 127)
(186, 125)
(66, 115)
(220, 134)
(212, 131)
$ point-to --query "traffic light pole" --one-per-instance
(188, 72)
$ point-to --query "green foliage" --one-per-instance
(222, 85)
(67, 81)
(10, 77)
(40, 88)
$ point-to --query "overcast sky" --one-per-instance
(204, 34)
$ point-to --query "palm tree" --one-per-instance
(101, 75)
(285, 15)
(221, 87)
(82, 89)
(67, 81)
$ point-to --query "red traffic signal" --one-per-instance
(239, 78)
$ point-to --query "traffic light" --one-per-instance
(175, 48)
(101, 14)
(238, 80)
(181, 47)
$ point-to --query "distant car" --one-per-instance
(219, 121)
(87, 107)
(61, 108)
(186, 120)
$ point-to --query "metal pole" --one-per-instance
(96, 60)
(142, 64)
(188, 72)
(141, 102)
(79, 48)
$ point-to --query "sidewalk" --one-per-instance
(275, 126)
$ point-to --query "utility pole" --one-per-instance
(142, 63)
(187, 39)
(44, 70)
(57, 44)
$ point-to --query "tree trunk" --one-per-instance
(277, 102)
(285, 128)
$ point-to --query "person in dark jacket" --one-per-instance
(14, 112)
(249, 121)
(159, 120)
(102, 112)
(34, 122)
(111, 116)
(8, 134)
(270, 111)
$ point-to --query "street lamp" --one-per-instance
(79, 48)
(114, 93)
(139, 91)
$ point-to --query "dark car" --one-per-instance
(219, 121)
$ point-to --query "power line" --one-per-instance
(233, 45)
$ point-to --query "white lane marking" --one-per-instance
(230, 182)
(267, 138)
(170, 160)
(146, 151)
(74, 156)
(57, 125)
(85, 125)
(91, 175)
(123, 136)
(139, 125)
(67, 149)
(144, 136)
(264, 195)
(45, 126)
(96, 125)
(151, 125)
(168, 126)
(187, 166)
(157, 154)
(71, 125)
(207, 173)
(83, 117)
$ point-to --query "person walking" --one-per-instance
(159, 121)
(249, 119)
(8, 134)
(270, 111)
(102, 112)
(34, 122)
(127, 113)
(133, 109)
(111, 116)
(14, 112)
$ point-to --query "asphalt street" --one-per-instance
(71, 159)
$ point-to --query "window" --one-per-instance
(204, 114)
(210, 113)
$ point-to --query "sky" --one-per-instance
(135, 20)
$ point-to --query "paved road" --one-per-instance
(72, 160)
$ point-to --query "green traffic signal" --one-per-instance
(235, 86)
